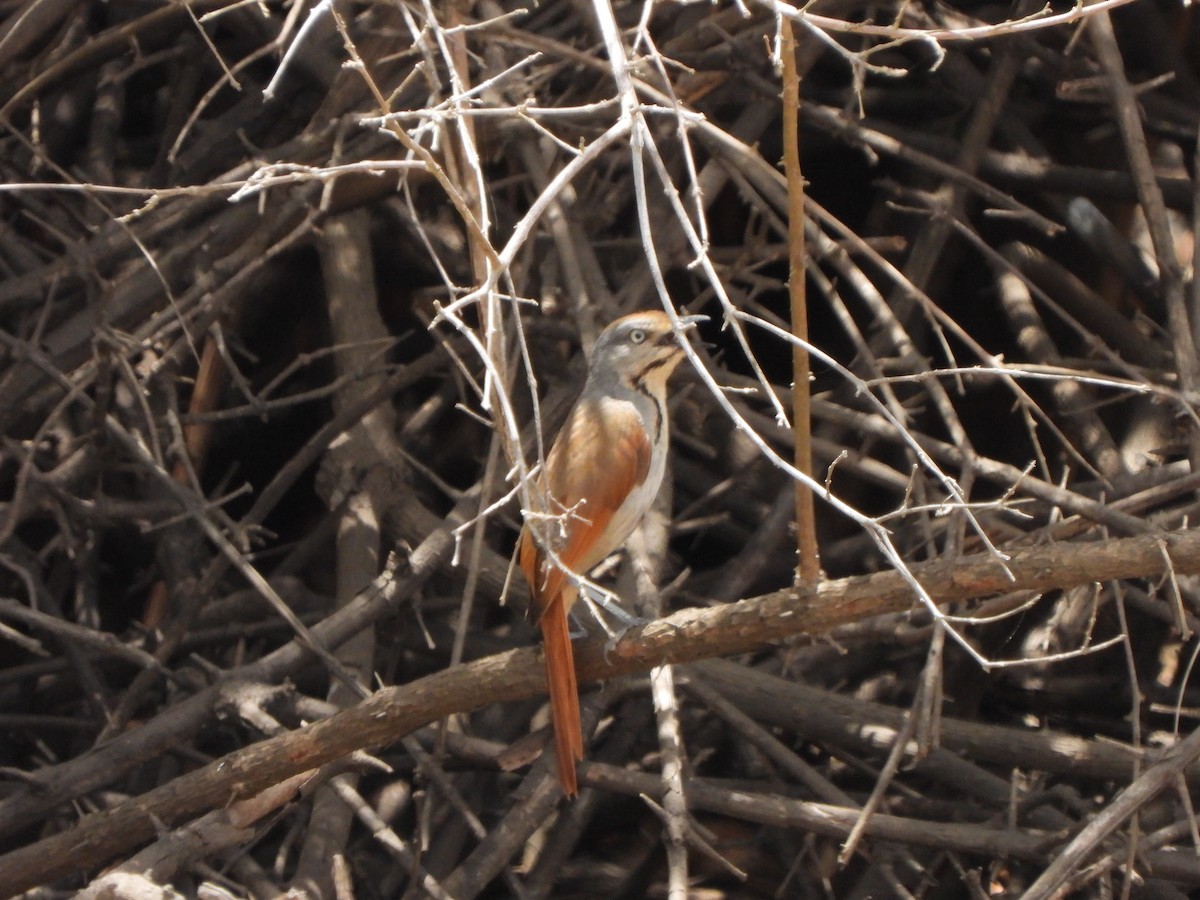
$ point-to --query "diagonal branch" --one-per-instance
(689, 635)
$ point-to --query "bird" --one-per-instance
(602, 474)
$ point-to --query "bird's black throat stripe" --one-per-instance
(639, 385)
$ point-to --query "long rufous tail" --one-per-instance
(564, 693)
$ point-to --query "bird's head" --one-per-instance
(641, 348)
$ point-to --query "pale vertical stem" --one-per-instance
(808, 569)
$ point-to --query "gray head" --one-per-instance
(639, 349)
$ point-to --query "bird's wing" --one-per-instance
(609, 457)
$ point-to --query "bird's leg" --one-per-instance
(577, 628)
(596, 603)
(600, 601)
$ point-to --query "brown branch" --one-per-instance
(689, 635)
(808, 570)
(836, 821)
(1149, 785)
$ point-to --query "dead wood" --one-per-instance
(293, 296)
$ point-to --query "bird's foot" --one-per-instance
(614, 637)
(601, 602)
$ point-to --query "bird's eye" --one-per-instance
(637, 336)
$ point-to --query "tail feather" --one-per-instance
(564, 693)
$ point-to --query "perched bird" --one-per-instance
(601, 475)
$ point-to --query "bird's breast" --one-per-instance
(637, 503)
